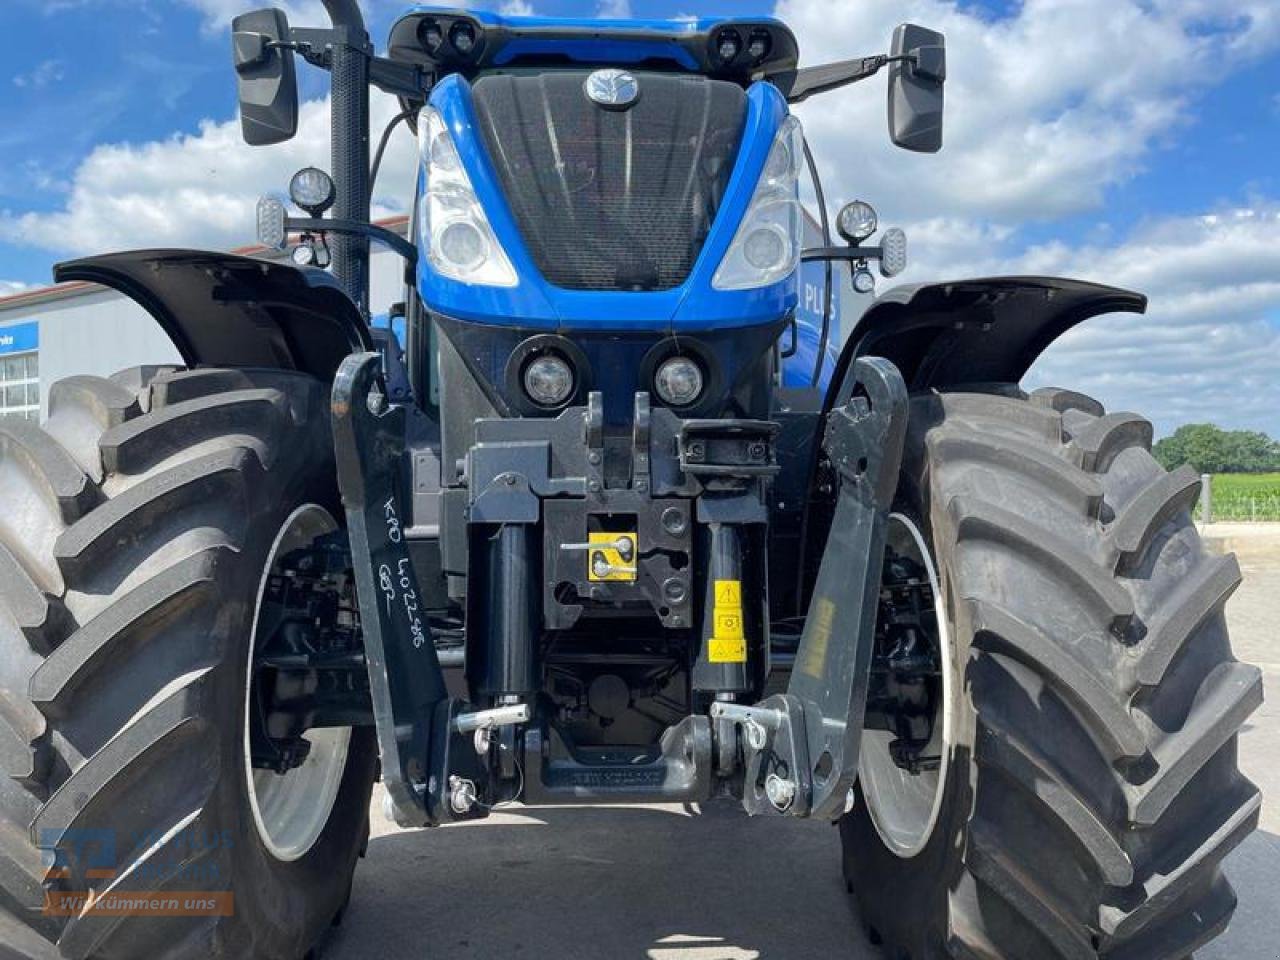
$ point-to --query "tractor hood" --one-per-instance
(612, 219)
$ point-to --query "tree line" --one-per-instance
(1211, 449)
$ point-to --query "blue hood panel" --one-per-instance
(537, 305)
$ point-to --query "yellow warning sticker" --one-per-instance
(727, 650)
(729, 593)
(729, 624)
(728, 643)
(612, 556)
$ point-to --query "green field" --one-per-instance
(1246, 496)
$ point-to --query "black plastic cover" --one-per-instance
(976, 331)
(612, 199)
(224, 310)
(422, 38)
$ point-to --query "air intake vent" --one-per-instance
(612, 199)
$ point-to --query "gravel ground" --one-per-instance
(653, 882)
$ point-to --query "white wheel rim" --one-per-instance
(904, 806)
(290, 810)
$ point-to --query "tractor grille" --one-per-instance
(611, 199)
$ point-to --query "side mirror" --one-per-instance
(265, 77)
(915, 88)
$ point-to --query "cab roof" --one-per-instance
(446, 40)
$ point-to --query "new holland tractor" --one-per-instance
(614, 522)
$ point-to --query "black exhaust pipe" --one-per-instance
(350, 145)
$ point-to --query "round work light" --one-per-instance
(312, 189)
(857, 221)
(548, 380)
(678, 381)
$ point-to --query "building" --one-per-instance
(53, 332)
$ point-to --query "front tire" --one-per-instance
(1093, 788)
(132, 550)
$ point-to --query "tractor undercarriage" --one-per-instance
(616, 643)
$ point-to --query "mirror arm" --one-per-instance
(799, 85)
(398, 79)
(352, 228)
(841, 253)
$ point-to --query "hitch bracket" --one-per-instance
(809, 760)
(406, 684)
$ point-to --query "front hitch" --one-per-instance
(801, 747)
(411, 705)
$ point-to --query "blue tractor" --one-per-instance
(615, 522)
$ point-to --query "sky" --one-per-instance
(1132, 142)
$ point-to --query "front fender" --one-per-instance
(224, 310)
(990, 330)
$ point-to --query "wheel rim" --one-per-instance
(290, 810)
(904, 806)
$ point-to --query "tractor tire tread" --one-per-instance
(1105, 699)
(159, 483)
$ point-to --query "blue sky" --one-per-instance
(1126, 140)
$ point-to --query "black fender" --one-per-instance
(224, 310)
(990, 330)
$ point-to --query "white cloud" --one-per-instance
(301, 13)
(516, 8)
(1046, 109)
(196, 190)
(219, 13)
(1208, 347)
(614, 9)
(45, 73)
(9, 287)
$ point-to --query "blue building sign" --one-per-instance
(20, 338)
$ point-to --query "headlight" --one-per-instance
(548, 380)
(463, 38)
(678, 381)
(766, 247)
(430, 35)
(453, 228)
(857, 221)
(462, 245)
(312, 190)
(728, 44)
(759, 44)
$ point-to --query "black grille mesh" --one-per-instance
(611, 199)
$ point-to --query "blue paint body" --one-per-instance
(536, 305)
(797, 370)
